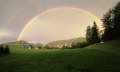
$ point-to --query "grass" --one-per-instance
(95, 58)
(112, 46)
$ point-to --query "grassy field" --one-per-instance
(95, 58)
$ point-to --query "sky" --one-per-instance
(16, 14)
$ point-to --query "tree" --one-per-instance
(88, 34)
(92, 34)
(95, 37)
(31, 46)
(2, 49)
(39, 47)
(79, 45)
(65, 47)
(7, 50)
(111, 24)
(46, 47)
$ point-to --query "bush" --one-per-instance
(80, 45)
(4, 50)
(65, 47)
(7, 50)
(46, 47)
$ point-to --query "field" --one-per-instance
(95, 58)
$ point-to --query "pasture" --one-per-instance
(95, 58)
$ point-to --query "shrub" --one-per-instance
(80, 45)
(7, 50)
(4, 50)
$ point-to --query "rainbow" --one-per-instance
(53, 9)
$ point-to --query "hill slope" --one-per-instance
(95, 58)
(18, 42)
(111, 46)
(68, 41)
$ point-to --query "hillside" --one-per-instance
(18, 42)
(112, 46)
(95, 58)
(67, 42)
(51, 44)
(21, 42)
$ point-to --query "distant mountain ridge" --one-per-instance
(66, 42)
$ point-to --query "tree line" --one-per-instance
(111, 31)
(111, 25)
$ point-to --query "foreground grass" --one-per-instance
(95, 58)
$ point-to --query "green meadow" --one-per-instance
(103, 57)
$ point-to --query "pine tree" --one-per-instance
(95, 34)
(111, 24)
(88, 35)
(92, 34)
